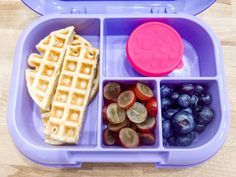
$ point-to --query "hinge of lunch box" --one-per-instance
(81, 10)
(162, 10)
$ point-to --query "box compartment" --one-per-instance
(214, 126)
(126, 82)
(199, 49)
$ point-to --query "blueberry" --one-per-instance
(185, 140)
(187, 88)
(165, 91)
(189, 110)
(165, 142)
(162, 119)
(194, 100)
(184, 100)
(205, 99)
(196, 109)
(165, 103)
(169, 113)
(167, 130)
(199, 89)
(172, 141)
(205, 116)
(200, 128)
(174, 96)
(183, 122)
(193, 135)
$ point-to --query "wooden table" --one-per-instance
(14, 17)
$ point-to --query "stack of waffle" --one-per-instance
(62, 80)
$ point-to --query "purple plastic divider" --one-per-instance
(159, 114)
(32, 145)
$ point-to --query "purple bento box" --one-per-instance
(107, 25)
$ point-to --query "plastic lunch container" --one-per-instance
(107, 25)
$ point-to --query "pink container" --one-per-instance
(155, 49)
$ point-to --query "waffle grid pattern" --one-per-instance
(72, 94)
(41, 80)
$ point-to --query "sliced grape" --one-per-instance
(137, 113)
(109, 138)
(104, 114)
(129, 138)
(151, 107)
(111, 90)
(115, 114)
(147, 125)
(143, 92)
(117, 127)
(147, 139)
(126, 99)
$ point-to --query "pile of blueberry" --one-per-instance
(186, 111)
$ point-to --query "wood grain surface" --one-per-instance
(14, 17)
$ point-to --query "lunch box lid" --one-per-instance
(45, 7)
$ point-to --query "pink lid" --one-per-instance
(155, 49)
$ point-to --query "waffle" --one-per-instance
(46, 114)
(78, 40)
(72, 94)
(95, 85)
(42, 78)
(45, 117)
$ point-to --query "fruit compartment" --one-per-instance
(26, 113)
(199, 48)
(213, 128)
(126, 83)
